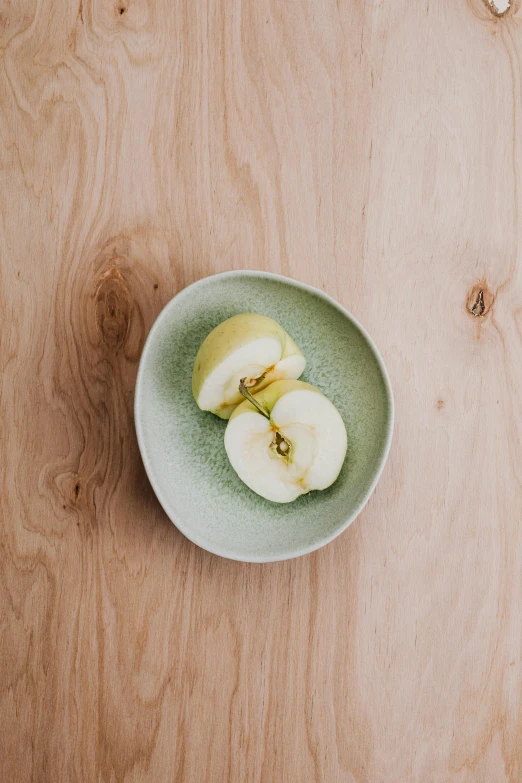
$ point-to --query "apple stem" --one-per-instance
(244, 391)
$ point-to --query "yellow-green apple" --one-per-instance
(249, 346)
(286, 440)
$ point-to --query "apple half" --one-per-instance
(286, 440)
(249, 346)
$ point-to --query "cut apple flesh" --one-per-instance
(220, 389)
(251, 347)
(300, 447)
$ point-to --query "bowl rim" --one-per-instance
(164, 502)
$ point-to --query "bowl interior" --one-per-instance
(183, 449)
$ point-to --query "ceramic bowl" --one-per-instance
(182, 447)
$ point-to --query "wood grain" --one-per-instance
(371, 149)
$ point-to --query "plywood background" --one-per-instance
(374, 150)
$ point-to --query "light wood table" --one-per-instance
(373, 150)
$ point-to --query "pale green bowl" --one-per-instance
(182, 447)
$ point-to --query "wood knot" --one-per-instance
(113, 307)
(498, 8)
(120, 300)
(480, 300)
(494, 10)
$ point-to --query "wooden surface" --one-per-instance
(371, 149)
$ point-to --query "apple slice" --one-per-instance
(286, 440)
(249, 346)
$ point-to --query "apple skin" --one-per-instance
(230, 336)
(268, 397)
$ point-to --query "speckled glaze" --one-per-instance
(182, 447)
